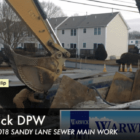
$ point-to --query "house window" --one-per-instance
(84, 45)
(63, 31)
(40, 46)
(74, 46)
(99, 31)
(131, 41)
(63, 45)
(73, 32)
(136, 42)
(84, 30)
(95, 31)
(71, 46)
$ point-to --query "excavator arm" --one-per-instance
(34, 17)
(38, 73)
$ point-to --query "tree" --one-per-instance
(12, 30)
(100, 53)
(52, 10)
(134, 35)
(134, 50)
(129, 58)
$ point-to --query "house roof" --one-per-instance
(56, 21)
(97, 20)
(94, 20)
(72, 22)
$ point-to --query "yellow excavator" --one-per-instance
(37, 73)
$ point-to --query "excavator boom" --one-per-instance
(34, 17)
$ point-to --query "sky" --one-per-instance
(71, 8)
(133, 19)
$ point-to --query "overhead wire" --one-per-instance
(123, 1)
(112, 3)
(99, 6)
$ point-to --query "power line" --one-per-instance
(99, 6)
(111, 3)
(123, 1)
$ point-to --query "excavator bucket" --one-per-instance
(38, 73)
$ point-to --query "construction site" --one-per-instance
(56, 81)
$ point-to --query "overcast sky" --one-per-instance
(72, 8)
(133, 19)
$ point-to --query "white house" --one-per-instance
(86, 32)
(31, 39)
(135, 42)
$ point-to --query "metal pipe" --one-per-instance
(102, 98)
(53, 33)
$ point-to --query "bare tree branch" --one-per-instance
(52, 10)
(12, 30)
(134, 35)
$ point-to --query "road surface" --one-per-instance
(98, 68)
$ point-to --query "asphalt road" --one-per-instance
(98, 68)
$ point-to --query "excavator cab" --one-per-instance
(38, 73)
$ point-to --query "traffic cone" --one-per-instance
(125, 68)
(121, 68)
(130, 69)
(104, 70)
